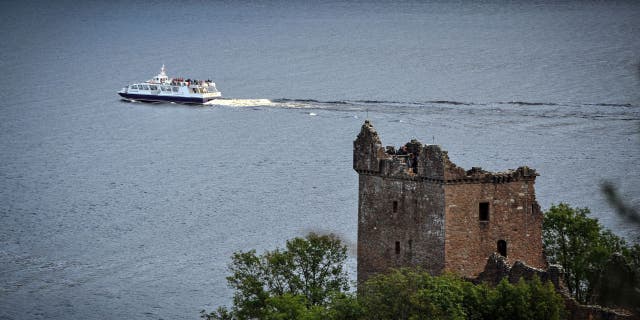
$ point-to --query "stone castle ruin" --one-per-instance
(416, 208)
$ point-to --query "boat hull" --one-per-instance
(156, 98)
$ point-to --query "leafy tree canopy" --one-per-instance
(583, 247)
(306, 280)
(411, 294)
(286, 283)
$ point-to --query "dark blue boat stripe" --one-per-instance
(146, 97)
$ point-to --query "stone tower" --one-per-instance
(430, 213)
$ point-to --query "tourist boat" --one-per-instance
(163, 88)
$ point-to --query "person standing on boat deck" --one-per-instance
(402, 151)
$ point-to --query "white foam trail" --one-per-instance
(239, 103)
(313, 114)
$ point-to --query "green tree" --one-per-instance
(478, 301)
(286, 307)
(512, 301)
(442, 298)
(286, 284)
(344, 306)
(307, 281)
(580, 245)
(411, 294)
(545, 302)
(388, 296)
(526, 300)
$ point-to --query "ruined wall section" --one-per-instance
(370, 157)
(514, 217)
(428, 214)
(400, 213)
(498, 267)
(400, 224)
(367, 150)
(431, 163)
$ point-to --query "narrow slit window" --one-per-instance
(502, 248)
(484, 211)
(395, 206)
(397, 247)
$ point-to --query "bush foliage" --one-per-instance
(583, 247)
(411, 294)
(307, 280)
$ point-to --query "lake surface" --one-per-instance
(112, 209)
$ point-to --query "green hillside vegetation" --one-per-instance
(307, 280)
(600, 267)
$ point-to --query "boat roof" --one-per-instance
(161, 77)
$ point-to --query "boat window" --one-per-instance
(153, 87)
(174, 89)
(145, 87)
(133, 87)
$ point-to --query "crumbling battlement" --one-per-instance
(433, 163)
(416, 208)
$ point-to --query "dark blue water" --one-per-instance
(111, 209)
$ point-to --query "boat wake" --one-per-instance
(361, 105)
(241, 103)
(520, 108)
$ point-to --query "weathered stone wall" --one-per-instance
(400, 215)
(427, 215)
(367, 149)
(498, 267)
(431, 163)
(400, 223)
(514, 217)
